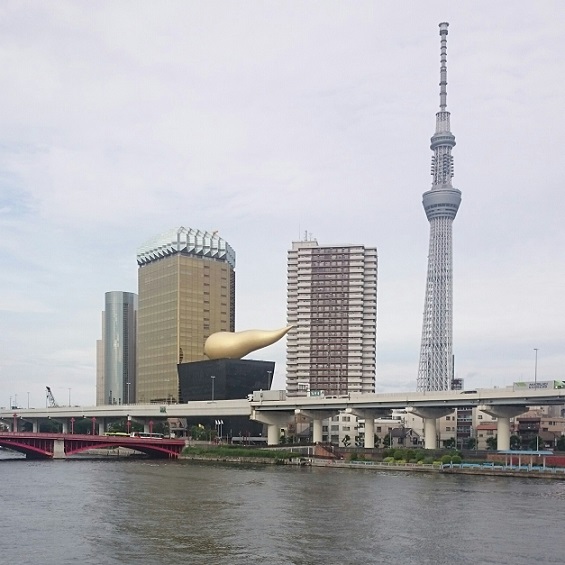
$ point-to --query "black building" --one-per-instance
(225, 379)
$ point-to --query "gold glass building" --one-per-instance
(186, 292)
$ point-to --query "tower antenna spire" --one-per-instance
(443, 67)
(443, 141)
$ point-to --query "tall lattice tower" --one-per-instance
(441, 204)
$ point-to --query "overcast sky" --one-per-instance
(265, 121)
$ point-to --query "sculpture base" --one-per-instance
(225, 379)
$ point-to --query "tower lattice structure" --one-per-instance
(441, 203)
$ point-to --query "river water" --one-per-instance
(147, 512)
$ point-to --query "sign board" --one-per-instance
(540, 385)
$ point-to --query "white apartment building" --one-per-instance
(332, 303)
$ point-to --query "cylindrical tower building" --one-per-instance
(119, 338)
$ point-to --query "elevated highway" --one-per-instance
(503, 403)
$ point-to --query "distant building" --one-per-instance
(539, 428)
(332, 302)
(186, 292)
(115, 352)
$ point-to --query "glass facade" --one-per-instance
(119, 347)
(224, 379)
(184, 296)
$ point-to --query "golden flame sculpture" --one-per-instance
(235, 345)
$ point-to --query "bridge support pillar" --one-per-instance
(275, 421)
(64, 427)
(502, 415)
(430, 416)
(35, 426)
(369, 416)
(59, 449)
(317, 417)
(101, 426)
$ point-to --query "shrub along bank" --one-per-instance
(237, 452)
(402, 456)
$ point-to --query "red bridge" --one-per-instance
(60, 446)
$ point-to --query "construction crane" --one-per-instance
(51, 403)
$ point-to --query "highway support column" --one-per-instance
(317, 417)
(502, 415)
(275, 421)
(430, 417)
(369, 415)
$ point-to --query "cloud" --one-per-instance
(263, 121)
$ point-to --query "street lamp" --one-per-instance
(127, 399)
(28, 400)
(69, 397)
(219, 430)
(213, 377)
(536, 368)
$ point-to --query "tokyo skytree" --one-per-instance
(441, 203)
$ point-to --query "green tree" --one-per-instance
(346, 441)
(377, 440)
(419, 455)
(491, 442)
(449, 443)
(560, 445)
(515, 442)
(199, 433)
(50, 426)
(536, 443)
(83, 426)
(398, 454)
(471, 443)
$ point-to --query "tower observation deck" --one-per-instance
(441, 202)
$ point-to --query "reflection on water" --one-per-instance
(168, 512)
